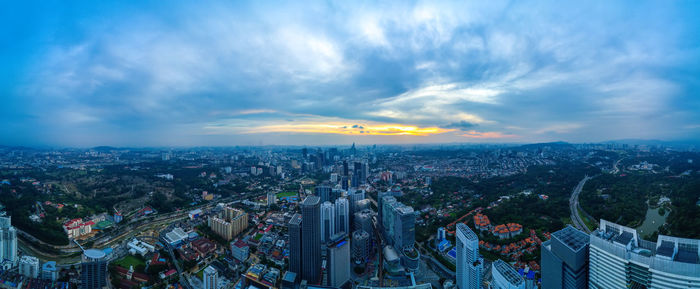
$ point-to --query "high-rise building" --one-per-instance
(271, 198)
(29, 266)
(323, 192)
(210, 278)
(363, 221)
(504, 276)
(295, 240)
(361, 246)
(565, 259)
(342, 215)
(344, 183)
(618, 258)
(388, 203)
(345, 169)
(93, 269)
(404, 227)
(334, 178)
(469, 264)
(338, 260)
(311, 234)
(327, 221)
(49, 271)
(229, 223)
(8, 242)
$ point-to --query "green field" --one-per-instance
(130, 261)
(286, 194)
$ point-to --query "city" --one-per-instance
(329, 144)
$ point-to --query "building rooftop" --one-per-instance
(466, 231)
(311, 201)
(572, 238)
(94, 253)
(296, 220)
(508, 272)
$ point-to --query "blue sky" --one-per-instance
(181, 73)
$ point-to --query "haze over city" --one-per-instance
(180, 73)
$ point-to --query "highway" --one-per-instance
(574, 205)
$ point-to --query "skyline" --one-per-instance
(218, 74)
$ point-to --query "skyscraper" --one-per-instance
(620, 259)
(295, 240)
(342, 215)
(388, 203)
(8, 242)
(565, 259)
(210, 278)
(404, 227)
(363, 221)
(311, 233)
(345, 169)
(338, 260)
(93, 269)
(505, 276)
(323, 192)
(327, 221)
(469, 264)
(361, 246)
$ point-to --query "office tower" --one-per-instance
(327, 221)
(618, 258)
(334, 178)
(388, 203)
(565, 260)
(361, 205)
(49, 271)
(210, 278)
(345, 169)
(295, 240)
(364, 171)
(361, 246)
(8, 241)
(344, 183)
(505, 277)
(311, 234)
(441, 234)
(29, 266)
(404, 227)
(338, 260)
(323, 192)
(363, 221)
(354, 181)
(469, 264)
(93, 269)
(354, 197)
(304, 152)
(342, 215)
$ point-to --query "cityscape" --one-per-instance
(350, 145)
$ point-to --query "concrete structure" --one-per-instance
(505, 277)
(404, 227)
(295, 240)
(469, 264)
(338, 260)
(311, 234)
(93, 269)
(29, 266)
(323, 192)
(230, 223)
(210, 278)
(327, 222)
(361, 246)
(137, 247)
(342, 215)
(195, 214)
(240, 250)
(387, 217)
(49, 271)
(176, 236)
(8, 241)
(271, 198)
(620, 259)
(363, 221)
(565, 260)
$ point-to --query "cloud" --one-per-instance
(486, 135)
(461, 125)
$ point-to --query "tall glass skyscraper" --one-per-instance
(469, 264)
(295, 240)
(8, 242)
(93, 269)
(311, 234)
(327, 221)
(565, 260)
(342, 215)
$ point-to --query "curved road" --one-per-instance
(573, 206)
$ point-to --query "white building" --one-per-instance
(139, 247)
(469, 265)
(211, 278)
(505, 277)
(618, 258)
(8, 243)
(327, 221)
(176, 236)
(342, 215)
(29, 266)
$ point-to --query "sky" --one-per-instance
(218, 73)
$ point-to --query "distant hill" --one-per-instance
(554, 145)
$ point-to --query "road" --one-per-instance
(574, 205)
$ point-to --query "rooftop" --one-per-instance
(572, 238)
(508, 272)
